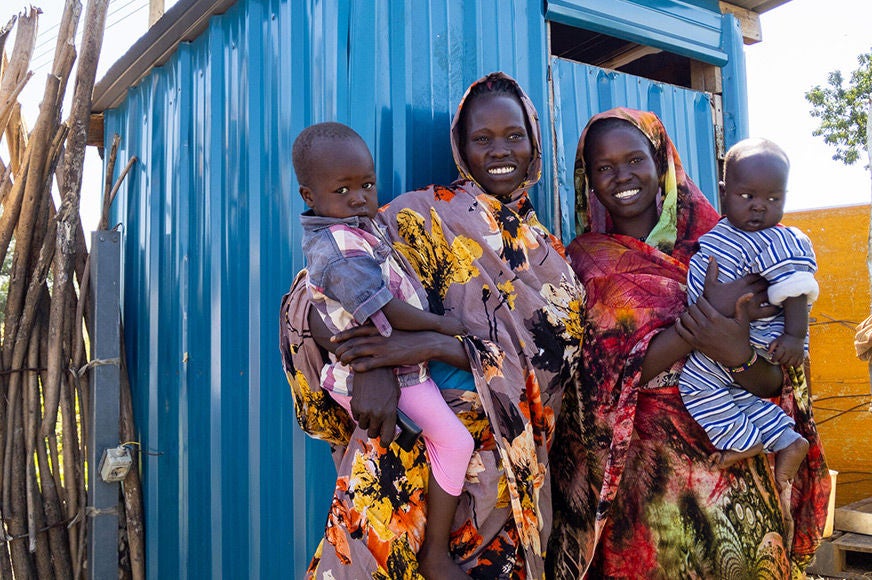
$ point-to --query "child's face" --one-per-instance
(497, 147)
(342, 182)
(753, 192)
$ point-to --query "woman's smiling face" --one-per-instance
(496, 143)
(623, 175)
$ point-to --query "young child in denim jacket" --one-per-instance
(355, 277)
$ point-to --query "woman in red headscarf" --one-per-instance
(636, 495)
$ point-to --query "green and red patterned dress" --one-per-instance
(634, 493)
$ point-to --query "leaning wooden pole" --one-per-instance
(45, 328)
(131, 486)
(16, 72)
(68, 222)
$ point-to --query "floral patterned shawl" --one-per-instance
(634, 494)
(489, 262)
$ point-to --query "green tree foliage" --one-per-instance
(842, 110)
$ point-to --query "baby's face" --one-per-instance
(342, 182)
(753, 192)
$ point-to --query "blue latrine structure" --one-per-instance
(209, 102)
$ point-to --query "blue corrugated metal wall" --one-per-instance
(232, 487)
(688, 27)
(581, 91)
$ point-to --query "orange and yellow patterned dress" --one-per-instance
(490, 263)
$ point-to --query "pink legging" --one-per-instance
(449, 444)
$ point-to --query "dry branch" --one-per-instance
(33, 193)
(68, 221)
(4, 36)
(132, 486)
(22, 52)
(11, 102)
(12, 209)
(43, 490)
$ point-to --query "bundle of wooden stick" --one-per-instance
(45, 325)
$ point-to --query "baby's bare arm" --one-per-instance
(789, 348)
(796, 316)
(404, 316)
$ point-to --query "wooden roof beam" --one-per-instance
(625, 57)
(95, 130)
(748, 20)
(184, 21)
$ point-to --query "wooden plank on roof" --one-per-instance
(759, 6)
(183, 22)
(748, 20)
(767, 5)
(95, 130)
(156, 9)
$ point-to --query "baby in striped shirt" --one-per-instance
(750, 240)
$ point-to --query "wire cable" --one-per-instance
(843, 412)
(43, 59)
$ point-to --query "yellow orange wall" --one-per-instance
(839, 380)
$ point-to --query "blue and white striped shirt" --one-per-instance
(782, 255)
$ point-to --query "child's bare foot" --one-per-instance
(438, 566)
(787, 462)
(787, 516)
(434, 558)
(727, 458)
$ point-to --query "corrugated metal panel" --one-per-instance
(581, 91)
(680, 26)
(208, 256)
(232, 486)
(736, 120)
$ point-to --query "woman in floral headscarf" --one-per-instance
(636, 495)
(483, 257)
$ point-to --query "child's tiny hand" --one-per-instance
(788, 350)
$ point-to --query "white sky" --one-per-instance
(126, 21)
(803, 41)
